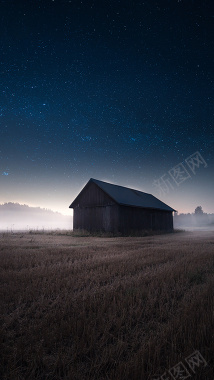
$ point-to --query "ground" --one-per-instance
(82, 308)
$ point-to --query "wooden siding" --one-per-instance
(136, 219)
(98, 218)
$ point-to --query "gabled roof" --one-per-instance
(129, 197)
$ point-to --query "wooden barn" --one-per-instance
(102, 206)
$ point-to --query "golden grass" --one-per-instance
(115, 308)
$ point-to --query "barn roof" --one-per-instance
(129, 197)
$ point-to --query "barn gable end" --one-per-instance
(94, 210)
(92, 195)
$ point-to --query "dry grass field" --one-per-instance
(98, 308)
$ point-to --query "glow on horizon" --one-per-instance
(65, 210)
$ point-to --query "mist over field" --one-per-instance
(14, 217)
(194, 221)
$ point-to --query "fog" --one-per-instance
(194, 222)
(15, 217)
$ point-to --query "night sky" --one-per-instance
(120, 91)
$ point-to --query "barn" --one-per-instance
(102, 206)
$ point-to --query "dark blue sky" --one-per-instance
(120, 91)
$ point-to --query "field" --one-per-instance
(80, 308)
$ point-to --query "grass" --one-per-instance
(84, 233)
(113, 308)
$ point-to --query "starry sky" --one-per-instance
(120, 91)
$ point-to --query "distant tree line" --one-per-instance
(23, 207)
(197, 219)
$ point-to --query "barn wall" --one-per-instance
(136, 219)
(114, 218)
(98, 218)
(92, 195)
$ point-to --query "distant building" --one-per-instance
(102, 206)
